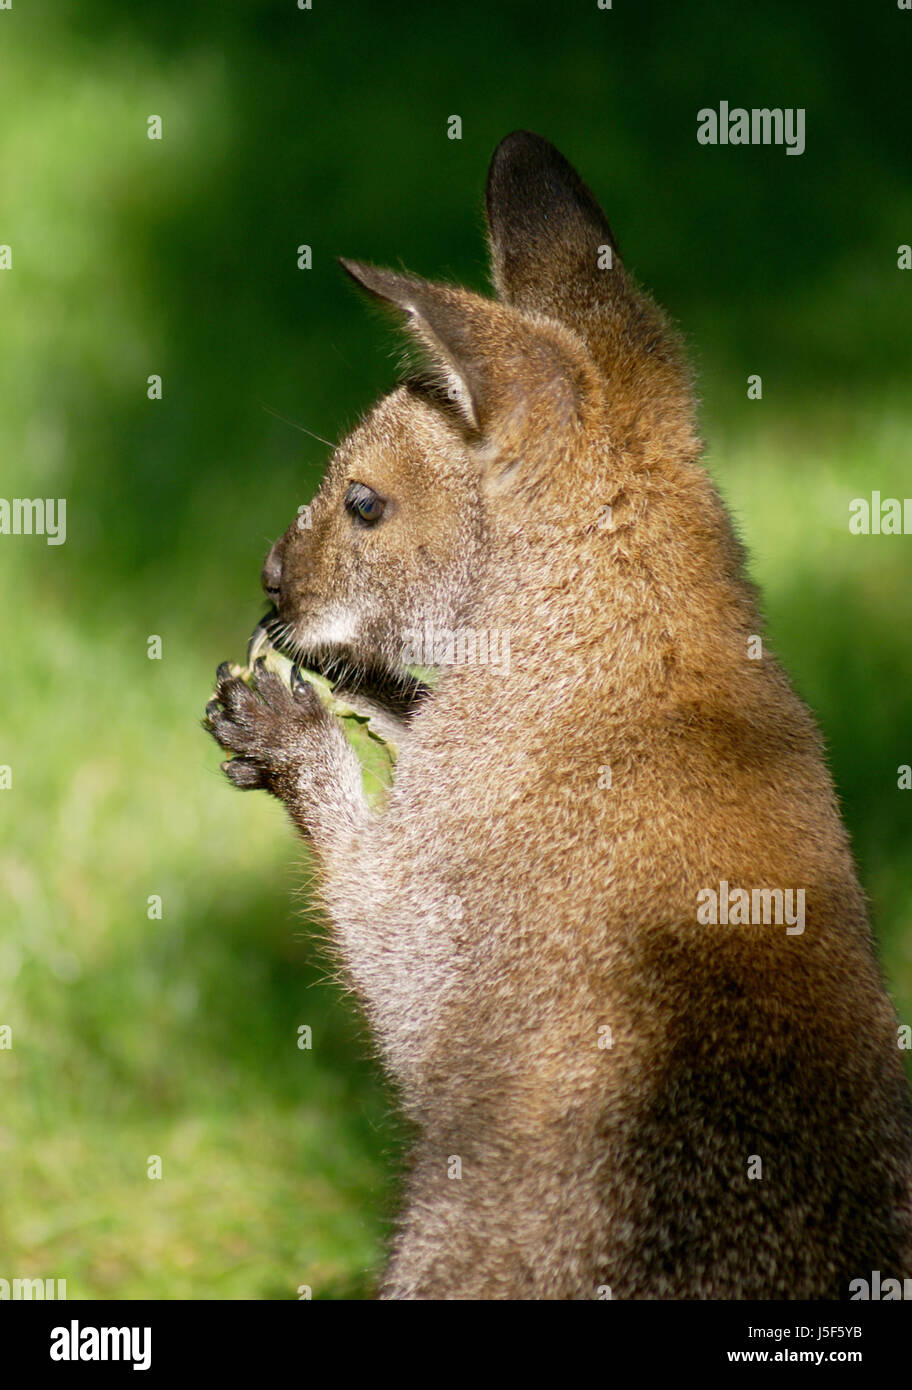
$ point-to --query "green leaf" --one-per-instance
(376, 755)
(427, 675)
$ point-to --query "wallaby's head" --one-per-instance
(524, 407)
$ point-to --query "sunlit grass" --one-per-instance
(177, 1037)
(135, 1037)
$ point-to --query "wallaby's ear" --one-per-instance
(553, 253)
(499, 366)
(546, 230)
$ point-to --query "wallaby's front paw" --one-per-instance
(269, 729)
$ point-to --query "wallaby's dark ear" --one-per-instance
(498, 367)
(553, 253)
(546, 229)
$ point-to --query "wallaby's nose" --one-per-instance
(272, 574)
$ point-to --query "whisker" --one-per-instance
(294, 424)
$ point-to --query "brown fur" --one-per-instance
(504, 907)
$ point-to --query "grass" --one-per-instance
(135, 1037)
(178, 1037)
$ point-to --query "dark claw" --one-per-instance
(243, 773)
(223, 673)
(212, 708)
(304, 693)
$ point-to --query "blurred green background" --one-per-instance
(134, 1037)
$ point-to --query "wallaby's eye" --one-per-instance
(365, 505)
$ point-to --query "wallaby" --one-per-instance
(629, 1075)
